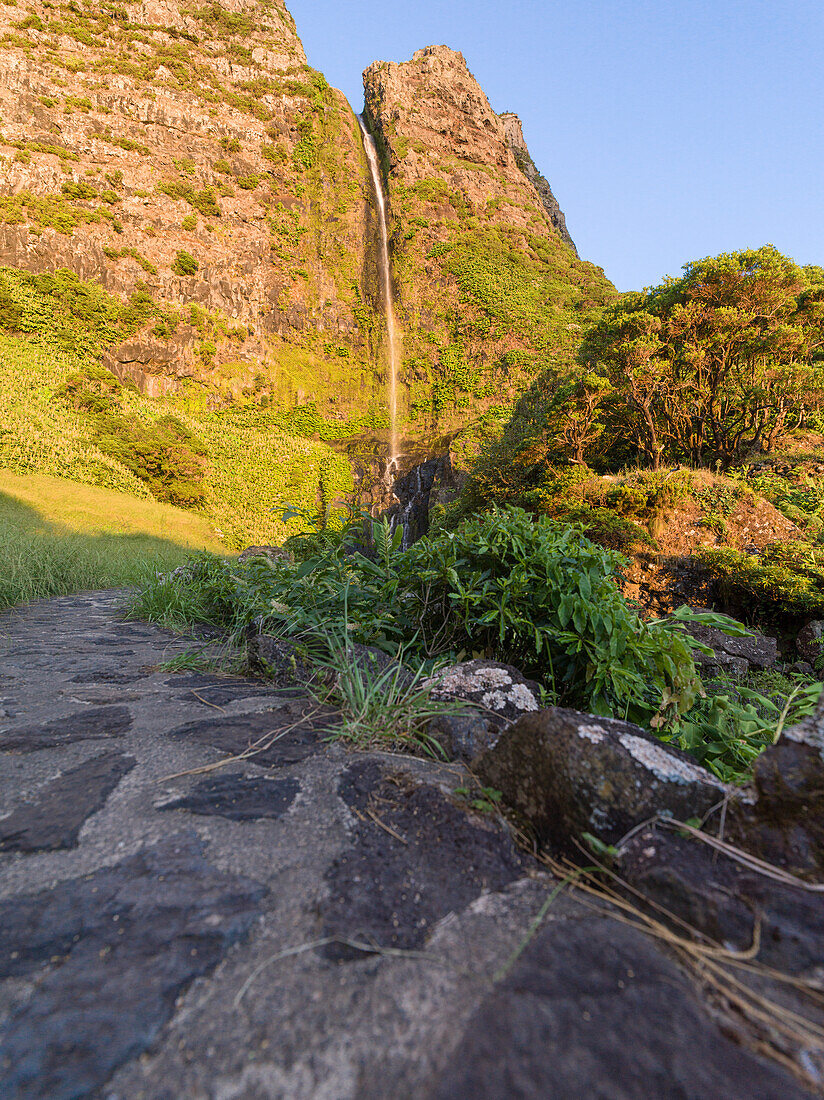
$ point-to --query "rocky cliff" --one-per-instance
(191, 163)
(513, 129)
(194, 156)
(490, 287)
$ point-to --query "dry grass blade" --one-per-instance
(206, 702)
(302, 948)
(760, 866)
(711, 965)
(261, 745)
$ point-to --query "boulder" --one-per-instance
(498, 694)
(278, 660)
(725, 899)
(785, 823)
(735, 656)
(810, 642)
(272, 553)
(569, 773)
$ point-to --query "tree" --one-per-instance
(714, 364)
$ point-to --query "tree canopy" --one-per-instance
(714, 364)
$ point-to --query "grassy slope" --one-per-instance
(249, 470)
(44, 504)
(59, 537)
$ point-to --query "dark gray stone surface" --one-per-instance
(570, 773)
(181, 953)
(399, 876)
(283, 736)
(119, 946)
(54, 818)
(238, 797)
(92, 724)
(595, 1010)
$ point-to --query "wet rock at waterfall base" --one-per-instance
(569, 773)
(55, 815)
(413, 490)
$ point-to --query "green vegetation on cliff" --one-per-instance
(63, 414)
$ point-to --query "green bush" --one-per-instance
(785, 581)
(164, 454)
(185, 264)
(536, 594)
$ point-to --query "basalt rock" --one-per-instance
(569, 773)
(733, 655)
(498, 694)
(515, 136)
(731, 903)
(810, 642)
(785, 823)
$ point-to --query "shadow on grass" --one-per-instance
(40, 559)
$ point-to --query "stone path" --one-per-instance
(197, 937)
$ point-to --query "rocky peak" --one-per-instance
(434, 118)
(185, 154)
(483, 259)
(513, 128)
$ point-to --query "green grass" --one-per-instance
(58, 537)
(251, 471)
(41, 503)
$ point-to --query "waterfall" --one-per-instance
(371, 150)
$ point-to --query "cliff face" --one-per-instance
(513, 128)
(490, 288)
(192, 160)
(131, 136)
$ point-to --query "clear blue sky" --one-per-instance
(668, 129)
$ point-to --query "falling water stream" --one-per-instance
(388, 297)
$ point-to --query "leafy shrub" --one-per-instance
(728, 728)
(164, 454)
(205, 201)
(78, 316)
(537, 594)
(79, 189)
(786, 580)
(189, 223)
(185, 264)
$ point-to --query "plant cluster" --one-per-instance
(164, 454)
(784, 581)
(533, 593)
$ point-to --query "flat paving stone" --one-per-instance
(54, 818)
(238, 797)
(287, 735)
(92, 724)
(118, 946)
(398, 878)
